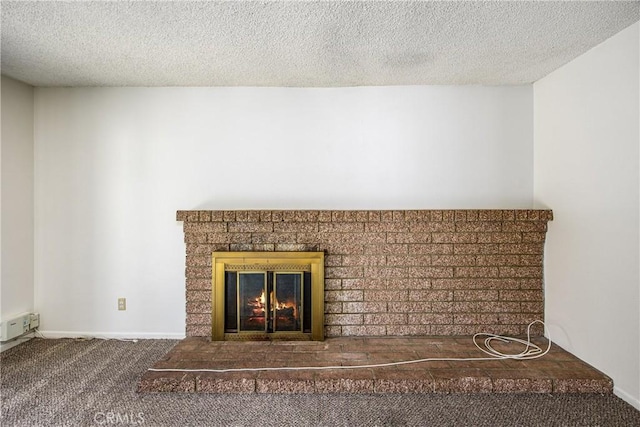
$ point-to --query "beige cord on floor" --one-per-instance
(531, 351)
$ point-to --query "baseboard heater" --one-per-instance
(18, 325)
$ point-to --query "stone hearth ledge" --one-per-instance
(556, 372)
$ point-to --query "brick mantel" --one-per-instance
(405, 272)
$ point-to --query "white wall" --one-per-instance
(586, 139)
(114, 164)
(16, 198)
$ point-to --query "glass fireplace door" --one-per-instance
(253, 304)
(287, 307)
(267, 295)
(265, 301)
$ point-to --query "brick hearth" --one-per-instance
(556, 372)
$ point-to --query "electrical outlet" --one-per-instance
(122, 304)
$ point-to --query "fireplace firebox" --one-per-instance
(268, 295)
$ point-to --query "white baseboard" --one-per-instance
(633, 401)
(112, 335)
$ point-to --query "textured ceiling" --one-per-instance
(299, 43)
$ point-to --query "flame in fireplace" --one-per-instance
(258, 305)
(282, 306)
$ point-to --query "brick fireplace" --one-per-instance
(406, 272)
(388, 275)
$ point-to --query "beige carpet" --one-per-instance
(76, 383)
